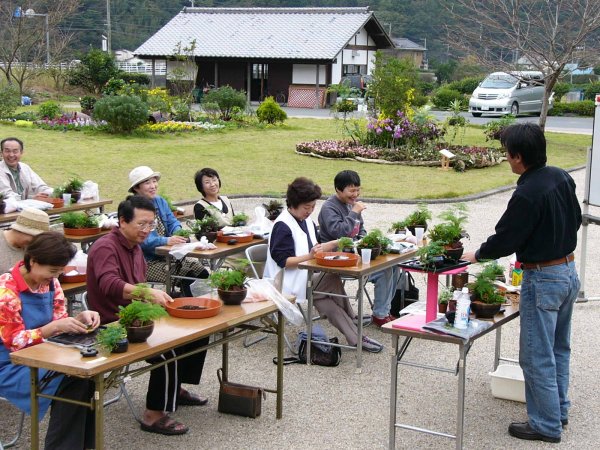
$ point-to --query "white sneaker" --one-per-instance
(371, 345)
(366, 320)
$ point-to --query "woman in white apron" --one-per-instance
(208, 184)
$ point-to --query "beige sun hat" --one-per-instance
(31, 221)
(141, 174)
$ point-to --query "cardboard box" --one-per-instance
(508, 383)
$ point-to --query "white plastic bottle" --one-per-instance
(463, 308)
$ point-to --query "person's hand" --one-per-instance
(70, 325)
(316, 249)
(41, 196)
(90, 318)
(172, 240)
(469, 256)
(160, 297)
(358, 207)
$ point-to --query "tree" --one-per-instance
(96, 68)
(547, 34)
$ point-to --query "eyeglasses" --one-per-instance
(146, 226)
(11, 152)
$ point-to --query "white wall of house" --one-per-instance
(306, 74)
(181, 70)
(356, 57)
(336, 69)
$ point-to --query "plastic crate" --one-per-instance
(508, 383)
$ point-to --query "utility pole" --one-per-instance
(108, 27)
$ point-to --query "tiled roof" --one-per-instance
(290, 33)
(407, 44)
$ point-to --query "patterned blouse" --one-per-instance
(13, 334)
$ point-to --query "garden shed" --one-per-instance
(294, 52)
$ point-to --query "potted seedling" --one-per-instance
(113, 339)
(418, 218)
(57, 197)
(207, 226)
(138, 317)
(183, 233)
(239, 220)
(74, 187)
(346, 244)
(230, 283)
(274, 208)
(450, 232)
(444, 296)
(376, 241)
(431, 255)
(77, 223)
(486, 298)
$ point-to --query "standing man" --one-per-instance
(341, 216)
(16, 178)
(115, 265)
(30, 222)
(540, 224)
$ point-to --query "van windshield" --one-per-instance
(504, 81)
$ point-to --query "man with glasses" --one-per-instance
(16, 178)
(115, 265)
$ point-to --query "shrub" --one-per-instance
(9, 101)
(158, 99)
(181, 110)
(560, 89)
(94, 71)
(123, 113)
(466, 85)
(49, 110)
(87, 103)
(269, 111)
(494, 128)
(135, 78)
(227, 98)
(114, 86)
(582, 108)
(591, 90)
(444, 96)
(26, 115)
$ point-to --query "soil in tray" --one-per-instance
(196, 307)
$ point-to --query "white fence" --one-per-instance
(160, 68)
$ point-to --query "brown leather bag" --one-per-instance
(239, 399)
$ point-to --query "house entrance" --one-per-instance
(259, 85)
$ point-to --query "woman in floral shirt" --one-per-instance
(32, 308)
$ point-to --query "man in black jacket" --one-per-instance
(540, 224)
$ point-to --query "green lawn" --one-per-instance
(255, 161)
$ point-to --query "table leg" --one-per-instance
(168, 280)
(280, 341)
(225, 357)
(99, 410)
(35, 425)
(393, 393)
(359, 300)
(497, 347)
(432, 297)
(309, 298)
(460, 404)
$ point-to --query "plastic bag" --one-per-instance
(287, 308)
(179, 251)
(260, 223)
(79, 261)
(90, 192)
(10, 204)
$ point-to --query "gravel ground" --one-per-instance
(338, 408)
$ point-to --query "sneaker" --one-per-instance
(379, 321)
(371, 345)
(366, 320)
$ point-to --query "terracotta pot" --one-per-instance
(211, 236)
(139, 334)
(443, 307)
(81, 231)
(122, 346)
(232, 297)
(56, 202)
(485, 310)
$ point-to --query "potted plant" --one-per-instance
(274, 208)
(418, 218)
(73, 187)
(431, 255)
(444, 297)
(486, 298)
(239, 220)
(450, 232)
(113, 339)
(346, 244)
(138, 317)
(174, 209)
(376, 241)
(183, 233)
(230, 284)
(208, 226)
(77, 223)
(57, 197)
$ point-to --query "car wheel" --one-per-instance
(476, 114)
(514, 109)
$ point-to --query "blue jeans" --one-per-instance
(385, 288)
(546, 306)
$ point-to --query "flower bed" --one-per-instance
(174, 127)
(68, 122)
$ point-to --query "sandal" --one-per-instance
(186, 398)
(165, 425)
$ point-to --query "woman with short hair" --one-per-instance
(208, 184)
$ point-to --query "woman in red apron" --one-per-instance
(32, 308)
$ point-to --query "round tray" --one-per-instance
(242, 237)
(79, 278)
(81, 231)
(213, 307)
(324, 259)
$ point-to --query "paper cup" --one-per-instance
(365, 254)
(419, 235)
(67, 199)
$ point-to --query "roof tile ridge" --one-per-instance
(279, 10)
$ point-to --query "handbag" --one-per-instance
(329, 358)
(239, 399)
(409, 290)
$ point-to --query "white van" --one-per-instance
(503, 93)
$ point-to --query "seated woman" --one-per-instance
(144, 182)
(208, 184)
(294, 239)
(32, 308)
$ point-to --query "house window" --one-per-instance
(351, 69)
(260, 71)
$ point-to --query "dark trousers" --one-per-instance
(165, 381)
(71, 426)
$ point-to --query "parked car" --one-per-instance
(502, 93)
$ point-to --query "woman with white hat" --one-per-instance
(144, 181)
(30, 222)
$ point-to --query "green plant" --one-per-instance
(239, 219)
(374, 239)
(58, 191)
(226, 97)
(139, 313)
(269, 111)
(583, 108)
(451, 231)
(483, 286)
(10, 100)
(123, 113)
(167, 199)
(445, 295)
(114, 86)
(73, 185)
(443, 97)
(135, 78)
(77, 219)
(418, 217)
(345, 243)
(493, 129)
(560, 89)
(109, 337)
(429, 253)
(227, 279)
(94, 71)
(87, 102)
(49, 110)
(183, 233)
(208, 224)
(273, 208)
